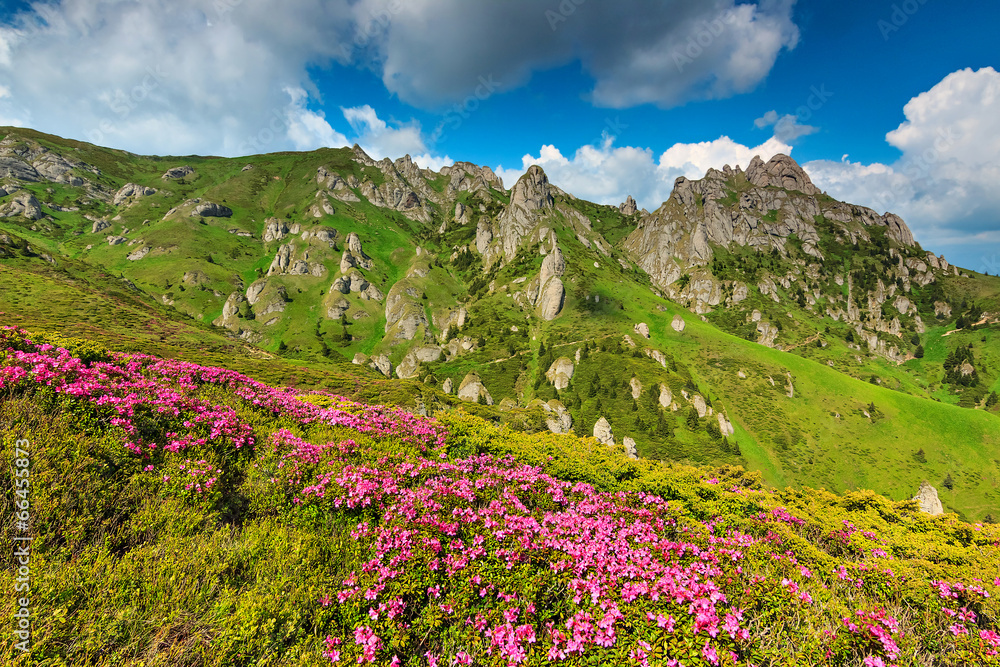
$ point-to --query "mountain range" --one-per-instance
(750, 320)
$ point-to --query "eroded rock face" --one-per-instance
(130, 192)
(178, 172)
(211, 210)
(630, 450)
(530, 199)
(551, 299)
(781, 202)
(629, 207)
(560, 373)
(23, 205)
(603, 433)
(404, 314)
(636, 387)
(472, 389)
(665, 396)
(780, 171)
(927, 499)
(274, 230)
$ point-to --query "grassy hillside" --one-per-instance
(187, 515)
(859, 417)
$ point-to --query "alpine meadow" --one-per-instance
(319, 396)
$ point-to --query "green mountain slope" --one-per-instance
(537, 302)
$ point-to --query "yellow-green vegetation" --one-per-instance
(187, 515)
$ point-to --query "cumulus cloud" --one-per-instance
(607, 174)
(786, 128)
(183, 76)
(944, 183)
(637, 52)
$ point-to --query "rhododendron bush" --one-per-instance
(452, 541)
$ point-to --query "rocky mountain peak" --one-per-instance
(780, 171)
(361, 156)
(532, 192)
(629, 207)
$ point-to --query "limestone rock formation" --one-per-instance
(636, 388)
(274, 230)
(630, 450)
(560, 373)
(136, 255)
(473, 390)
(22, 205)
(781, 202)
(603, 433)
(629, 207)
(178, 172)
(677, 324)
(642, 329)
(666, 398)
(780, 171)
(129, 192)
(927, 499)
(404, 313)
(211, 210)
(530, 199)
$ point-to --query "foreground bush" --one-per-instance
(185, 515)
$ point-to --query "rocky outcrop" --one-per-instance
(548, 286)
(467, 177)
(719, 209)
(666, 397)
(354, 255)
(630, 449)
(129, 192)
(404, 314)
(927, 499)
(22, 205)
(780, 171)
(642, 329)
(447, 386)
(629, 207)
(410, 365)
(530, 199)
(177, 172)
(603, 433)
(560, 373)
(379, 363)
(636, 387)
(274, 230)
(677, 324)
(211, 210)
(725, 426)
(472, 390)
(136, 255)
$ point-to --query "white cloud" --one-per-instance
(607, 174)
(308, 129)
(944, 183)
(189, 76)
(665, 53)
(786, 128)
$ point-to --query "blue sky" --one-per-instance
(893, 105)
